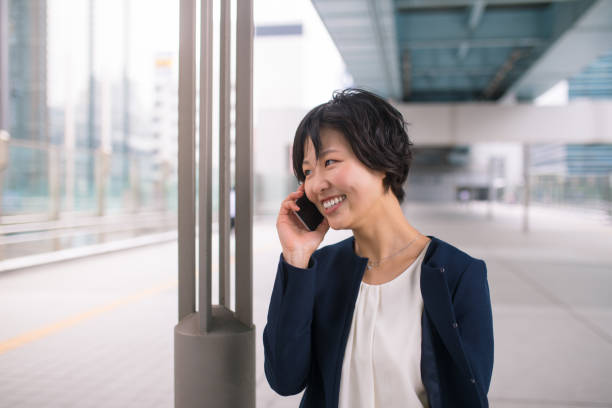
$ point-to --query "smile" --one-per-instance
(331, 205)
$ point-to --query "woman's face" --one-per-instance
(339, 173)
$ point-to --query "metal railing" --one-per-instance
(581, 191)
(48, 181)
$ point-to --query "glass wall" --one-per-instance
(89, 111)
(92, 100)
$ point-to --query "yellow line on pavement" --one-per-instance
(71, 321)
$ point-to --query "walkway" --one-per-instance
(98, 331)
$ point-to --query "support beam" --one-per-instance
(444, 124)
(589, 36)
(4, 65)
(476, 12)
(224, 154)
(492, 42)
(205, 168)
(381, 46)
(186, 159)
(244, 161)
(408, 5)
(376, 17)
(214, 347)
(526, 186)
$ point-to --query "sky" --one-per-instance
(154, 26)
(557, 95)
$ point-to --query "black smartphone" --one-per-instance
(308, 214)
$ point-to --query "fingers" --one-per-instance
(294, 196)
(294, 206)
(289, 202)
(298, 192)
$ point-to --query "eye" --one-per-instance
(306, 174)
(329, 160)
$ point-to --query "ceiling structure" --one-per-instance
(466, 50)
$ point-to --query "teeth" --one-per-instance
(333, 201)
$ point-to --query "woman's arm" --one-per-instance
(472, 304)
(286, 336)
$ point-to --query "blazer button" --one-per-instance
(455, 325)
(472, 380)
(442, 269)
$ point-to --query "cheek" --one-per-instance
(307, 193)
(359, 186)
(348, 182)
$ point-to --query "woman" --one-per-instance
(388, 317)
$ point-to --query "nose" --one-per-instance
(315, 187)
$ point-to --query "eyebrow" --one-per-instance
(323, 153)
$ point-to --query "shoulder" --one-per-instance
(449, 254)
(455, 261)
(336, 262)
(335, 248)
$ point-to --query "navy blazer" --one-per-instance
(311, 311)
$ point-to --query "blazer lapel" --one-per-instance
(438, 305)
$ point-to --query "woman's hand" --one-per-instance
(297, 241)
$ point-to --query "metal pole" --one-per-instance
(186, 160)
(53, 180)
(244, 161)
(4, 158)
(214, 349)
(125, 151)
(4, 65)
(224, 154)
(91, 113)
(69, 135)
(491, 176)
(205, 170)
(527, 188)
(4, 135)
(609, 195)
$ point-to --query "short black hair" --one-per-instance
(375, 130)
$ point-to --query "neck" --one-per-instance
(384, 232)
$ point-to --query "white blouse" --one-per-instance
(382, 360)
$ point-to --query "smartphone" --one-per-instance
(308, 214)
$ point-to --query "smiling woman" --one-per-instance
(376, 305)
(370, 127)
(346, 147)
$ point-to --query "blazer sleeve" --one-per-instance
(472, 303)
(287, 334)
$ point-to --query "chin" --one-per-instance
(335, 226)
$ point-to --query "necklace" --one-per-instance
(376, 263)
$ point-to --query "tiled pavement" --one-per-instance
(107, 321)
